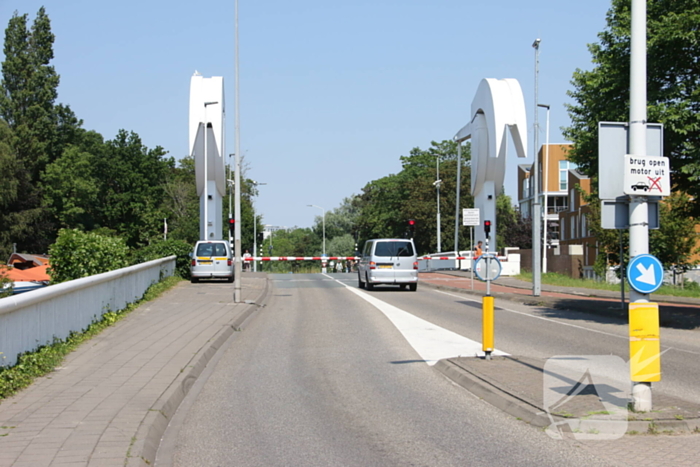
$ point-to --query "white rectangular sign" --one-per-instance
(647, 176)
(470, 217)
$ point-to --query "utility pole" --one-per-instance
(536, 212)
(638, 208)
(237, 297)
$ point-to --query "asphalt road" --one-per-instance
(321, 376)
(545, 332)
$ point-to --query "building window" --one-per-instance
(526, 188)
(562, 229)
(564, 167)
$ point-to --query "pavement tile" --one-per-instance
(88, 411)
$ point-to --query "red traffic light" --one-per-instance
(411, 223)
(232, 221)
(487, 227)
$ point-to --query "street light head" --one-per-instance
(536, 44)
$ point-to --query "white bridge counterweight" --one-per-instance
(207, 109)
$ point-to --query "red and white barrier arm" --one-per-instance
(300, 258)
(446, 257)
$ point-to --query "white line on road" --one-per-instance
(432, 342)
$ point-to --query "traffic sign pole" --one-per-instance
(487, 307)
(638, 211)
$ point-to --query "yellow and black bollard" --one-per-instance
(487, 326)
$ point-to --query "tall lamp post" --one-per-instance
(324, 225)
(437, 183)
(206, 173)
(545, 185)
(255, 228)
(536, 211)
(237, 292)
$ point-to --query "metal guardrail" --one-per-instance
(34, 319)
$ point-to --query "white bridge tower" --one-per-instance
(207, 118)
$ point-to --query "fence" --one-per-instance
(33, 319)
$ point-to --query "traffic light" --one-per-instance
(412, 226)
(260, 237)
(487, 228)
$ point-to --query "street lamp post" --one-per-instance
(437, 183)
(206, 174)
(536, 211)
(324, 225)
(545, 184)
(255, 229)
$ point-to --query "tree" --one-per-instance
(385, 205)
(674, 243)
(71, 190)
(512, 229)
(40, 129)
(131, 185)
(673, 90)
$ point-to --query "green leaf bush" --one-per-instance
(77, 254)
(166, 248)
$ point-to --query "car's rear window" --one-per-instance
(211, 249)
(394, 249)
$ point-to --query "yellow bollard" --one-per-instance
(645, 344)
(487, 326)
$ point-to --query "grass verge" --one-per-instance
(45, 359)
(553, 278)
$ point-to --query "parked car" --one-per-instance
(388, 261)
(211, 259)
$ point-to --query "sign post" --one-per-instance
(471, 218)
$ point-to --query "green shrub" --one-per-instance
(5, 285)
(166, 248)
(79, 254)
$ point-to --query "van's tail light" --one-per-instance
(230, 261)
(372, 265)
(415, 265)
(194, 262)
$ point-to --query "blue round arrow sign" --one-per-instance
(645, 273)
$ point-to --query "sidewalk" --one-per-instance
(110, 402)
(516, 384)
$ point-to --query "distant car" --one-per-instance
(388, 261)
(211, 259)
(640, 186)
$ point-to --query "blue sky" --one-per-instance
(331, 93)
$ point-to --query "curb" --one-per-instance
(528, 412)
(150, 432)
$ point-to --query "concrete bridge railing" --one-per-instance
(34, 319)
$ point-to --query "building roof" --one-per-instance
(27, 260)
(35, 274)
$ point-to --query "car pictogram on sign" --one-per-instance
(640, 186)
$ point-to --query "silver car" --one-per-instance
(211, 259)
(388, 261)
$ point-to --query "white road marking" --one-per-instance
(432, 342)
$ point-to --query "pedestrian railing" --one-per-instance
(34, 319)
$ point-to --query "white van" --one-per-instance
(388, 261)
(211, 259)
